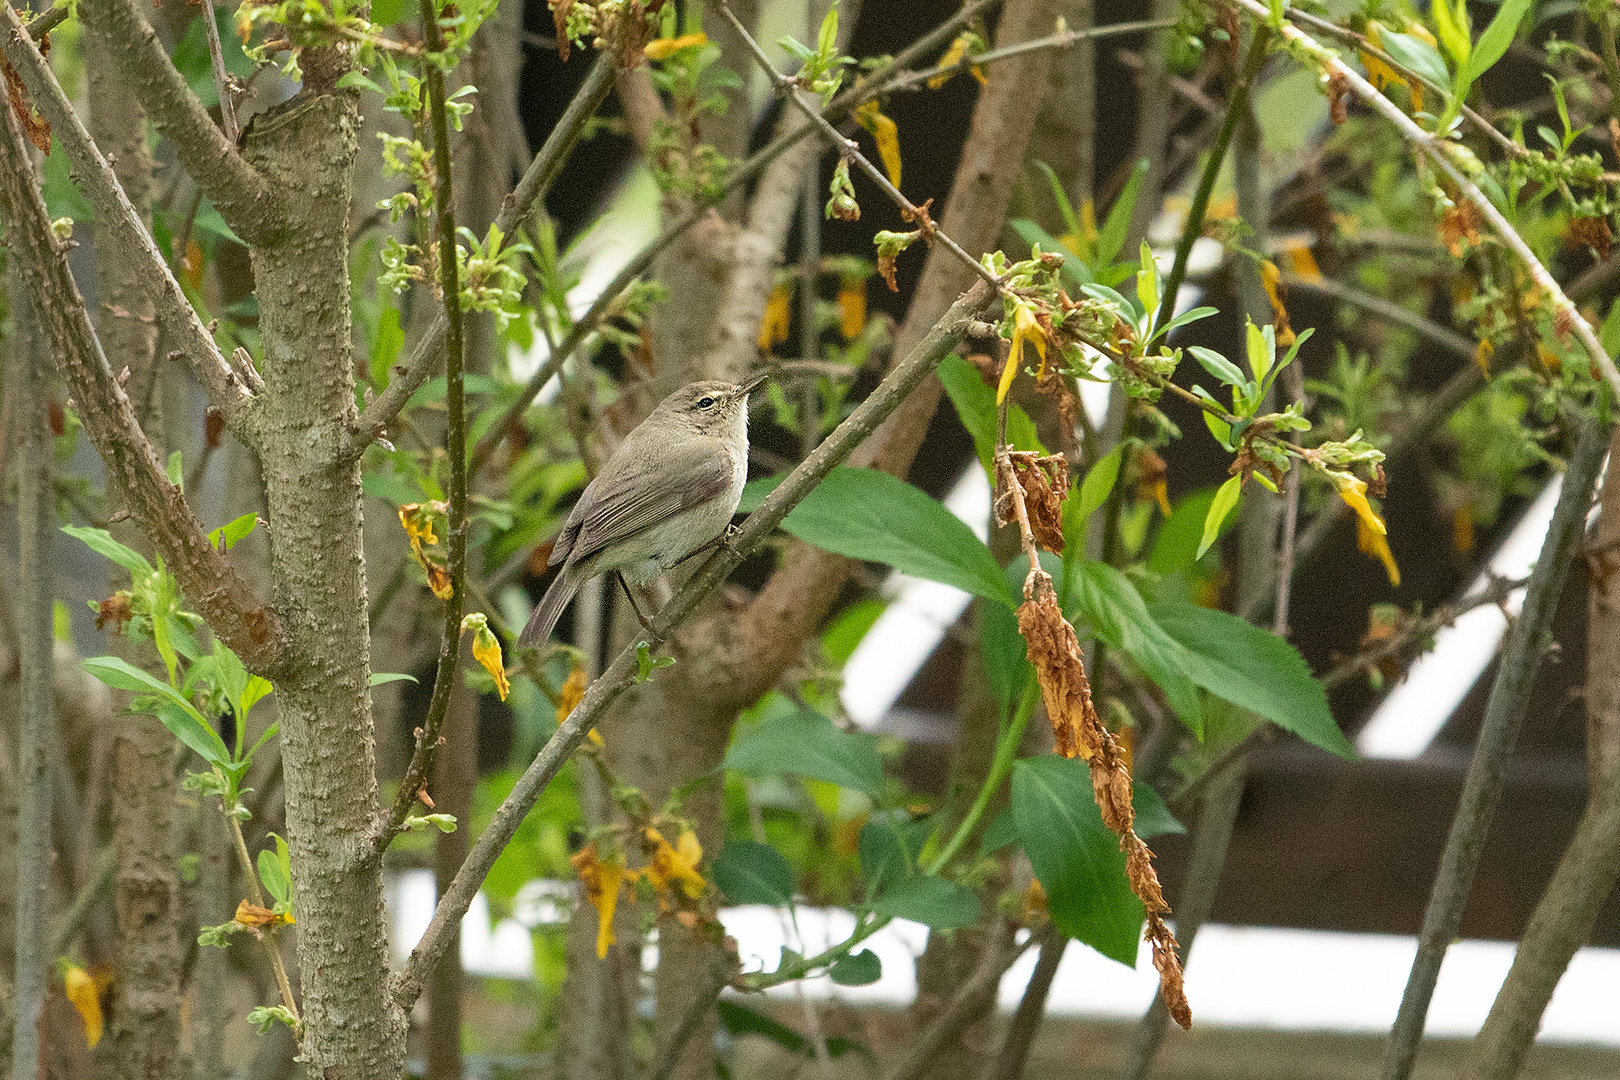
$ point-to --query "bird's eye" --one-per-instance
(705, 402)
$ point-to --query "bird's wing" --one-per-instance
(622, 502)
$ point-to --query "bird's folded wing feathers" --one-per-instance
(622, 503)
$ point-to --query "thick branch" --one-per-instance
(1528, 640)
(622, 673)
(119, 222)
(243, 197)
(233, 612)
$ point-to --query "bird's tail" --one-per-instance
(551, 606)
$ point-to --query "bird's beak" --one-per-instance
(753, 384)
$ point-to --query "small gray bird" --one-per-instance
(671, 487)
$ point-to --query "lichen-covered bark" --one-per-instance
(145, 1031)
(306, 150)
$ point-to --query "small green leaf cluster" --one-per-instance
(821, 69)
(489, 281)
(201, 682)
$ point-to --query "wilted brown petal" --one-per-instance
(1045, 481)
(559, 16)
(1053, 649)
(1171, 988)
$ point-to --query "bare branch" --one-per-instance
(222, 81)
(444, 676)
(624, 670)
(1527, 641)
(1064, 40)
(119, 222)
(242, 196)
(233, 612)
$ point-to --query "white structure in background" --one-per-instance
(501, 952)
(1412, 714)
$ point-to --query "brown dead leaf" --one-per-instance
(1592, 232)
(1171, 987)
(253, 916)
(885, 267)
(1045, 481)
(1338, 92)
(115, 610)
(1055, 651)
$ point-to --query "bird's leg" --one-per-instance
(646, 623)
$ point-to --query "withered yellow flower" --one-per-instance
(486, 649)
(773, 328)
(851, 307)
(887, 136)
(669, 863)
(1271, 280)
(953, 56)
(80, 990)
(1024, 328)
(602, 879)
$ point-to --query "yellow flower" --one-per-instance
(669, 863)
(1304, 263)
(601, 879)
(573, 690)
(851, 307)
(773, 328)
(664, 48)
(417, 521)
(1370, 530)
(81, 993)
(1024, 328)
(1271, 280)
(486, 649)
(1482, 356)
(887, 135)
(953, 56)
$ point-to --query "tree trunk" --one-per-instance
(306, 150)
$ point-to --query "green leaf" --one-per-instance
(1453, 27)
(1417, 55)
(932, 901)
(1218, 366)
(176, 471)
(870, 515)
(1075, 857)
(177, 714)
(387, 12)
(233, 531)
(358, 81)
(857, 969)
(1493, 43)
(1112, 236)
(275, 870)
(1074, 267)
(888, 848)
(1255, 669)
(1001, 647)
(975, 404)
(385, 347)
(1000, 832)
(753, 873)
(1176, 545)
(380, 677)
(1609, 335)
(1110, 605)
(1225, 499)
(809, 744)
(1153, 817)
(755, 491)
(1060, 198)
(101, 542)
(1099, 483)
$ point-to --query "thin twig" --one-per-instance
(222, 81)
(624, 671)
(268, 939)
(1527, 641)
(66, 927)
(48, 20)
(444, 678)
(1387, 310)
(1008, 1064)
(912, 79)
